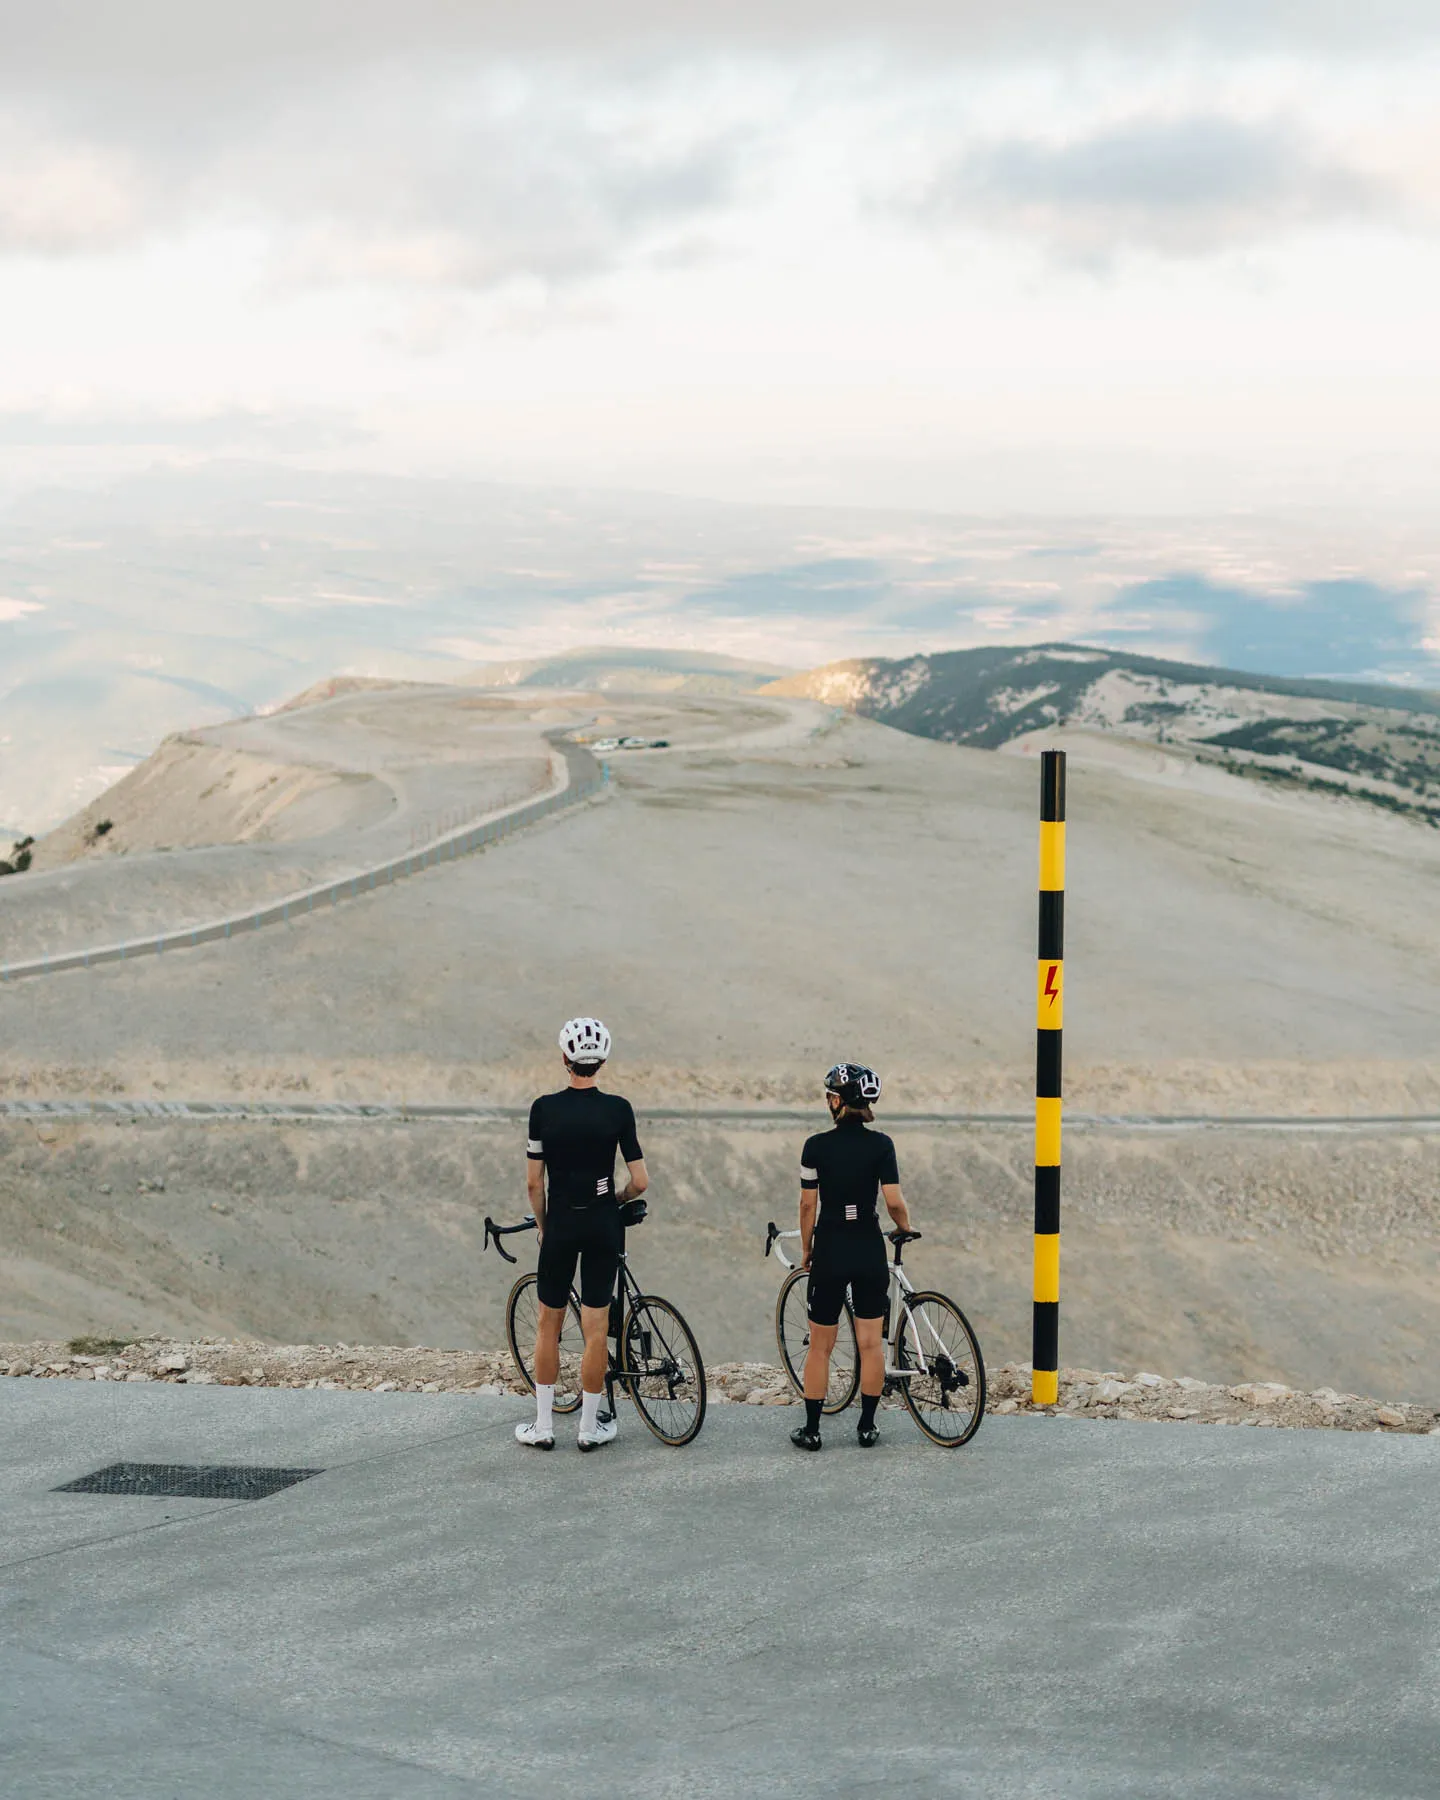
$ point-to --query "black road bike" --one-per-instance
(653, 1353)
(932, 1357)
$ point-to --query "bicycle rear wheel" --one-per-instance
(945, 1390)
(662, 1371)
(792, 1334)
(522, 1316)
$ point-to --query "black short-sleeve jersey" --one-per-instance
(576, 1134)
(848, 1165)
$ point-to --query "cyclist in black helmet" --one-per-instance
(843, 1173)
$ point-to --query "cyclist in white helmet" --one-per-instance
(570, 1173)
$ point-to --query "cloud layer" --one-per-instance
(1185, 185)
(467, 146)
(819, 251)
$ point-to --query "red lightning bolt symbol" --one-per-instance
(1051, 992)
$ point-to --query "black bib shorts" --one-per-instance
(847, 1260)
(593, 1239)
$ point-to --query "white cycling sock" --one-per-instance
(589, 1413)
(545, 1408)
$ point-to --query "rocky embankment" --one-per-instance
(1084, 1393)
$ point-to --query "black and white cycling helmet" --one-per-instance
(585, 1040)
(854, 1083)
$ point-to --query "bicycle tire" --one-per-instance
(661, 1370)
(522, 1314)
(792, 1335)
(929, 1394)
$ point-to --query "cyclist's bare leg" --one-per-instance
(547, 1345)
(817, 1360)
(595, 1320)
(869, 1335)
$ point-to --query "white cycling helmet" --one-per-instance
(584, 1040)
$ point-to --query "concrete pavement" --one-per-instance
(1060, 1608)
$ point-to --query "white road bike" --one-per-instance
(932, 1357)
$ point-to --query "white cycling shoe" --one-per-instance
(530, 1433)
(604, 1433)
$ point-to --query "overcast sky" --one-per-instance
(1045, 256)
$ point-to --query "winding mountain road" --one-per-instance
(582, 777)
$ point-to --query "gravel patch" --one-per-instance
(1084, 1393)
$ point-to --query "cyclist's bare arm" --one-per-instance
(535, 1192)
(638, 1182)
(895, 1204)
(809, 1206)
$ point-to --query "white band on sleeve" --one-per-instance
(536, 1148)
(808, 1174)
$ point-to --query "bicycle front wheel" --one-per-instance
(522, 1317)
(792, 1334)
(945, 1372)
(662, 1371)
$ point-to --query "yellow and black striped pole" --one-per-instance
(1049, 1019)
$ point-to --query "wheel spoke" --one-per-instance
(946, 1391)
(792, 1331)
(523, 1318)
(664, 1374)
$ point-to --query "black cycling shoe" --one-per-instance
(803, 1438)
(868, 1435)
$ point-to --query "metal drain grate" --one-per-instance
(187, 1481)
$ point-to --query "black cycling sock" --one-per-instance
(868, 1403)
(813, 1409)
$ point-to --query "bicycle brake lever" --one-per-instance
(492, 1233)
(772, 1231)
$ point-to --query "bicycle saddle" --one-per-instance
(903, 1237)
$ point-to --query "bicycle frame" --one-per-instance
(622, 1305)
(898, 1312)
